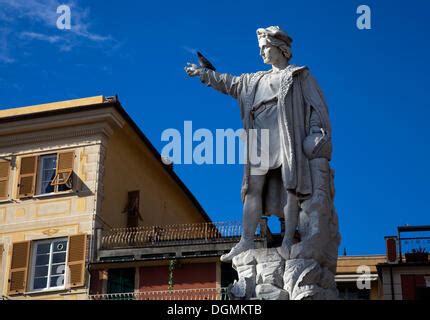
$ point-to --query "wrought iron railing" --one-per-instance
(149, 236)
(185, 294)
(414, 248)
(416, 244)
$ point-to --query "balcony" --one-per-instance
(416, 248)
(173, 241)
(175, 234)
(186, 294)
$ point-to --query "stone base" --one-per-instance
(265, 275)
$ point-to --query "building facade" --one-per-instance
(67, 169)
(357, 277)
(405, 275)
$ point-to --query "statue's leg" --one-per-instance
(273, 193)
(253, 206)
(252, 210)
(291, 214)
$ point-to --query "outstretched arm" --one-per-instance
(222, 82)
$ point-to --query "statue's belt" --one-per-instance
(256, 110)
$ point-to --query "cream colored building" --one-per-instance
(67, 168)
(357, 277)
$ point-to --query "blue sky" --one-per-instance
(375, 82)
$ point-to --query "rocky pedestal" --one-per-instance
(306, 270)
(265, 275)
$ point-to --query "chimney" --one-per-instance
(391, 249)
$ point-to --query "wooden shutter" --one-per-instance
(64, 168)
(19, 267)
(76, 259)
(27, 177)
(4, 180)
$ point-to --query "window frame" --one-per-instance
(38, 177)
(39, 174)
(32, 266)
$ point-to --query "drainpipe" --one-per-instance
(98, 243)
(391, 282)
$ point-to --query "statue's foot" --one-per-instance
(242, 246)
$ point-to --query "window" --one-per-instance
(49, 180)
(51, 264)
(45, 174)
(121, 280)
(48, 266)
(414, 287)
(132, 209)
(47, 167)
(349, 291)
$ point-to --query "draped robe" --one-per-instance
(299, 95)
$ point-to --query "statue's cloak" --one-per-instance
(299, 93)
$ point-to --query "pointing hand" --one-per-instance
(193, 70)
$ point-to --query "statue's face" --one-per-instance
(269, 53)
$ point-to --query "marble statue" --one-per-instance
(296, 184)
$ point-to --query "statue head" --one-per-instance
(274, 44)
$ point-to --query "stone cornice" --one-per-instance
(63, 120)
(57, 135)
(59, 127)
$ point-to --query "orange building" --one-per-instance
(67, 169)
